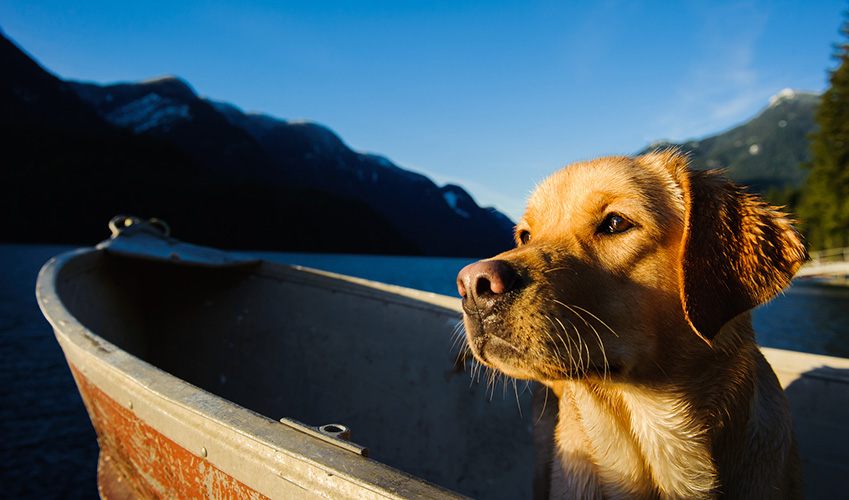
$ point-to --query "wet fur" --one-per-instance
(650, 384)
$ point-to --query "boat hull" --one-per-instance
(188, 358)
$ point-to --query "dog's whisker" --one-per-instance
(491, 383)
(559, 361)
(518, 403)
(458, 334)
(479, 372)
(498, 379)
(606, 364)
(662, 370)
(575, 310)
(576, 313)
(462, 353)
(577, 366)
(574, 366)
(483, 373)
(568, 349)
(599, 320)
(581, 344)
(474, 373)
(565, 367)
(575, 340)
(544, 405)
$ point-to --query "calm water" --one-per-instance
(49, 448)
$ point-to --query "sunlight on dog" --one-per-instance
(626, 299)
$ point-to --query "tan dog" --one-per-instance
(627, 298)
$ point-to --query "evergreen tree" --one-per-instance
(824, 205)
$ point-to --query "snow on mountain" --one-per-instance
(155, 104)
(784, 94)
(458, 200)
(149, 112)
(764, 152)
(452, 200)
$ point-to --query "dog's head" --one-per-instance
(619, 261)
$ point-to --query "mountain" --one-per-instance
(169, 109)
(765, 152)
(67, 171)
(32, 97)
(421, 211)
(84, 152)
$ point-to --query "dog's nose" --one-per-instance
(484, 282)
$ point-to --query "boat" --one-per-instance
(214, 374)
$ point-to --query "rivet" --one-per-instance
(130, 405)
(203, 452)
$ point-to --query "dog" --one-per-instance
(627, 300)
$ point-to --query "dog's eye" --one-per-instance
(615, 224)
(524, 237)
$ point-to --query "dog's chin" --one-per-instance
(499, 354)
(511, 360)
(596, 372)
(548, 373)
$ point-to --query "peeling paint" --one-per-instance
(154, 466)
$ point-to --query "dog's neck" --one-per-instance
(627, 439)
(617, 441)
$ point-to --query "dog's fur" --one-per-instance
(638, 332)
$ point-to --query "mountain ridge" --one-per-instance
(764, 152)
(313, 156)
(258, 176)
(230, 179)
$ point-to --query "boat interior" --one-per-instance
(321, 349)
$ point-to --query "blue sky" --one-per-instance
(491, 95)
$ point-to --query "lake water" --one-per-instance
(49, 448)
(810, 316)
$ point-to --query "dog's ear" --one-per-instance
(737, 251)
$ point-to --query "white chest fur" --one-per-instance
(617, 441)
